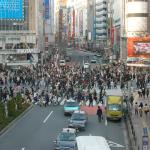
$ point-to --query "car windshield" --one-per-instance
(71, 104)
(62, 61)
(77, 116)
(67, 136)
(114, 107)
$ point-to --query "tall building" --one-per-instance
(81, 22)
(70, 22)
(21, 32)
(101, 20)
(115, 27)
(61, 20)
(49, 25)
(130, 23)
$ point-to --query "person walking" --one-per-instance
(146, 109)
(147, 92)
(136, 108)
(90, 100)
(99, 113)
(141, 109)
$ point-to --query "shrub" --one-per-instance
(2, 112)
(11, 105)
(19, 101)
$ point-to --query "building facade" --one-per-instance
(49, 24)
(138, 38)
(101, 22)
(21, 33)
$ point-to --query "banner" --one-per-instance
(47, 9)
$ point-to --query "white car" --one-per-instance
(62, 63)
(86, 65)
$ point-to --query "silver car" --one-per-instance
(66, 140)
(78, 120)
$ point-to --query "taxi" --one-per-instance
(70, 106)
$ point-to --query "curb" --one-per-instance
(15, 120)
(129, 135)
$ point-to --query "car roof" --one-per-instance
(68, 130)
(86, 63)
(79, 112)
(70, 100)
(92, 143)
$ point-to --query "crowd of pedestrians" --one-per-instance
(51, 82)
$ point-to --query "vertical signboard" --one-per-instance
(73, 23)
(47, 9)
(81, 23)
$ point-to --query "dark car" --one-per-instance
(66, 140)
(78, 120)
(68, 58)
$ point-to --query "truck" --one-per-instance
(114, 105)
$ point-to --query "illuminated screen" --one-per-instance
(11, 9)
(141, 48)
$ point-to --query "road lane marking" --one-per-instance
(47, 117)
(113, 144)
(23, 148)
(106, 123)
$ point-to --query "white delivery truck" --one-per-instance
(92, 143)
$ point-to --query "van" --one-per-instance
(114, 106)
(92, 143)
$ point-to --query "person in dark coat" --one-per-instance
(147, 93)
(90, 100)
(99, 113)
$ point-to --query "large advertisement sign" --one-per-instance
(47, 9)
(138, 51)
(11, 9)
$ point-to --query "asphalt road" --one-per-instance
(39, 127)
(81, 56)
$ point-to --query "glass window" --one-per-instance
(67, 136)
(77, 116)
(114, 107)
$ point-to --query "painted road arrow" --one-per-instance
(113, 144)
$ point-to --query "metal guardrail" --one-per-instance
(134, 143)
(145, 137)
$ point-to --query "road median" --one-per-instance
(10, 121)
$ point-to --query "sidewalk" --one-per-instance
(141, 122)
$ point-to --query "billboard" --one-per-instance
(47, 9)
(12, 9)
(138, 47)
(138, 51)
